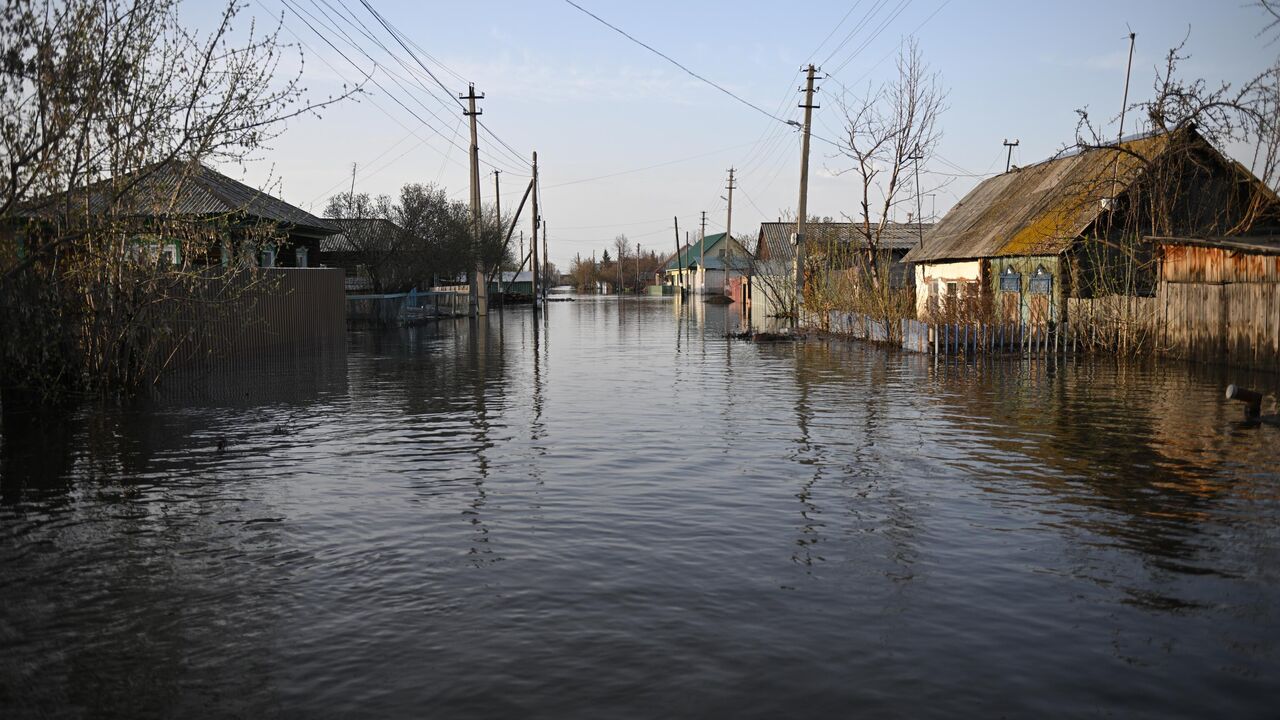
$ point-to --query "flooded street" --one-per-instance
(618, 513)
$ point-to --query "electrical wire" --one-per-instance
(671, 60)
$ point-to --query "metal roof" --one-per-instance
(1039, 209)
(776, 236)
(360, 235)
(179, 188)
(690, 255)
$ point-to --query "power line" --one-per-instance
(671, 60)
(902, 6)
(835, 28)
(399, 80)
(398, 35)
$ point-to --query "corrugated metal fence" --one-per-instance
(242, 319)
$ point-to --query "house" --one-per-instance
(187, 212)
(703, 264)
(1022, 245)
(838, 247)
(366, 249)
(843, 245)
(513, 283)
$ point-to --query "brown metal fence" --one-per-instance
(247, 318)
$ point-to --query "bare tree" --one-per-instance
(621, 253)
(887, 131)
(96, 98)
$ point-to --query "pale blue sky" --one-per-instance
(594, 104)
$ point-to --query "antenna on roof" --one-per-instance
(1011, 145)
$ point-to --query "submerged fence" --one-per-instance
(955, 338)
(407, 308)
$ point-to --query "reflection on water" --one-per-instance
(613, 511)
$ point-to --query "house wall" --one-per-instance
(1026, 305)
(933, 278)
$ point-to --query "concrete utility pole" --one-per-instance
(638, 283)
(917, 157)
(522, 248)
(1008, 161)
(497, 214)
(702, 254)
(351, 198)
(679, 269)
(533, 242)
(546, 261)
(803, 210)
(479, 289)
(728, 237)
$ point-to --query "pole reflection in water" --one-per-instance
(555, 515)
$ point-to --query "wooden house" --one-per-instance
(1020, 246)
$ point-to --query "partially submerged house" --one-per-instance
(1020, 246)
(187, 212)
(707, 263)
(840, 246)
(365, 249)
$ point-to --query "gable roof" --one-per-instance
(360, 234)
(1039, 209)
(178, 188)
(775, 237)
(706, 250)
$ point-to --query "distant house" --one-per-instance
(520, 283)
(1023, 243)
(229, 213)
(365, 249)
(845, 243)
(704, 265)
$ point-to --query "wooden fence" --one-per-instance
(1233, 323)
(1236, 322)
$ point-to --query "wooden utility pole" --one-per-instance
(728, 238)
(801, 216)
(638, 283)
(702, 254)
(479, 289)
(1008, 161)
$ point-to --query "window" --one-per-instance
(301, 255)
(268, 257)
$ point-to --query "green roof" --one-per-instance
(690, 254)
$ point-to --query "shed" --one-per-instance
(1220, 298)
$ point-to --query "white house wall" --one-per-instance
(930, 274)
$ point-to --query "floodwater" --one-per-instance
(614, 512)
